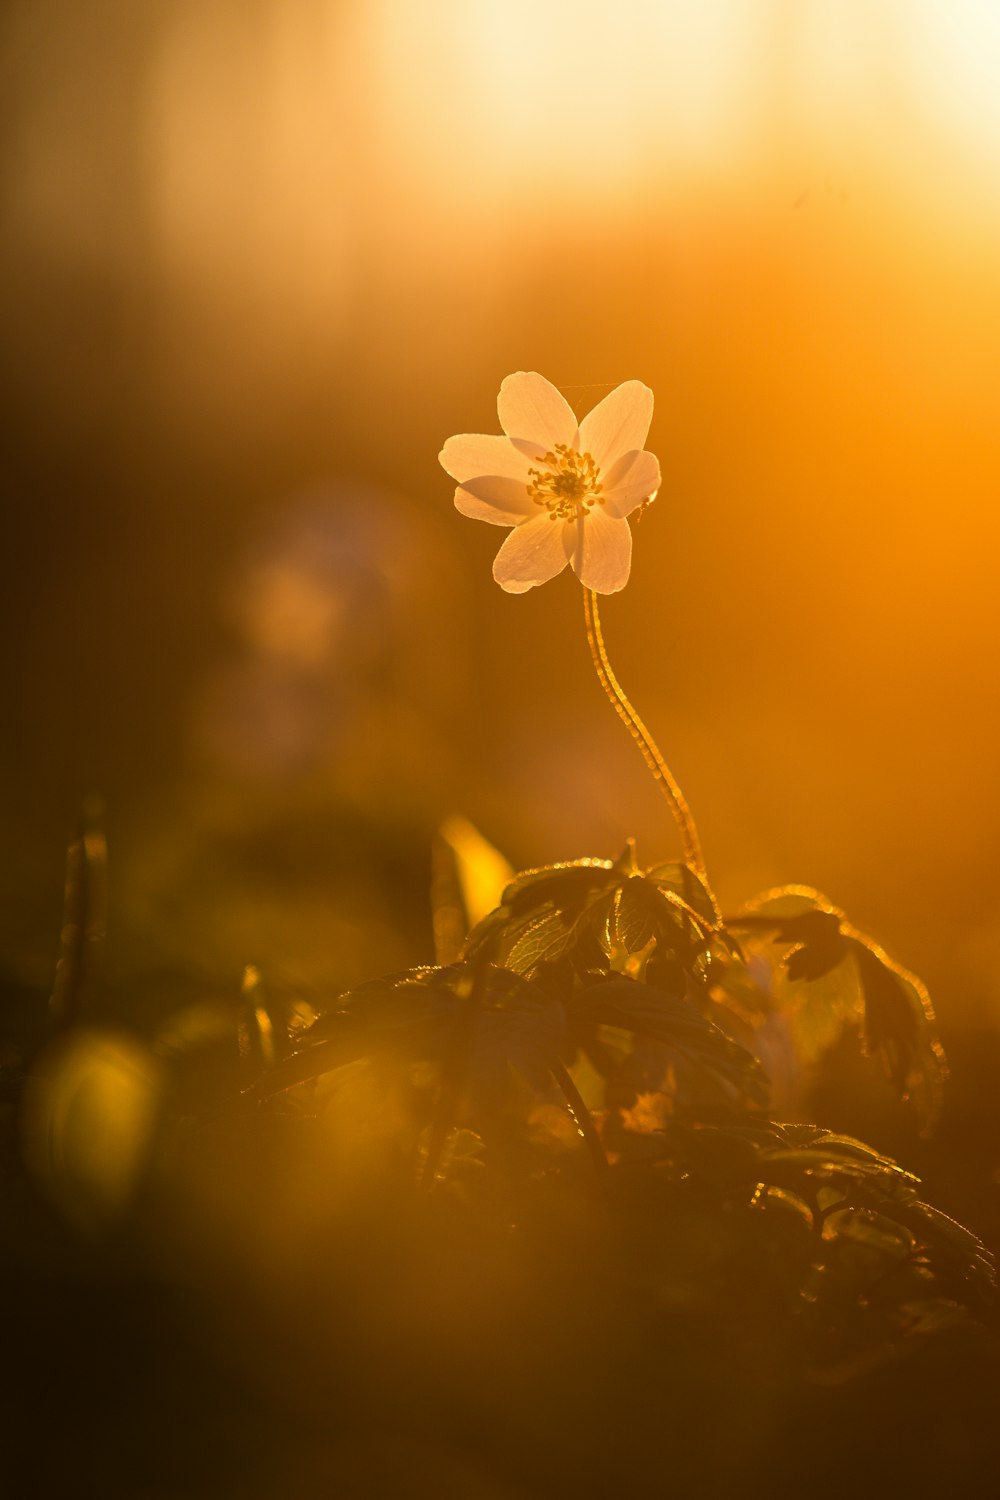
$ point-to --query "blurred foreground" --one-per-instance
(515, 1225)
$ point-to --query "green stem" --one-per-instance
(647, 745)
(582, 1118)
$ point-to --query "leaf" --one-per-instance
(562, 885)
(602, 917)
(383, 1013)
(807, 926)
(519, 1025)
(807, 1161)
(859, 1196)
(637, 916)
(899, 1026)
(821, 1009)
(468, 879)
(642, 937)
(412, 1001)
(680, 881)
(544, 915)
(883, 1238)
(790, 1203)
(799, 965)
(956, 1256)
(543, 937)
(414, 1015)
(832, 975)
(677, 1023)
(833, 1142)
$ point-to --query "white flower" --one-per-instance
(565, 488)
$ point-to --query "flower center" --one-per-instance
(568, 486)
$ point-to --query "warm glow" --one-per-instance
(562, 100)
(413, 1097)
(600, 103)
(953, 53)
(88, 1123)
(290, 614)
(482, 870)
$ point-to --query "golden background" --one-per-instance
(259, 259)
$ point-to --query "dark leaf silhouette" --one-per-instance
(899, 1027)
(806, 926)
(544, 914)
(680, 1027)
(828, 976)
(875, 1264)
(602, 917)
(415, 1014)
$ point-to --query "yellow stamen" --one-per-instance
(570, 487)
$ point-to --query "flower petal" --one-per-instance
(532, 554)
(635, 478)
(502, 502)
(618, 424)
(534, 415)
(471, 454)
(602, 552)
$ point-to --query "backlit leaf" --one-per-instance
(677, 1023)
(828, 976)
(899, 1027)
(416, 1015)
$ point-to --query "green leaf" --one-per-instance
(544, 914)
(677, 1023)
(681, 881)
(416, 1016)
(642, 937)
(413, 1001)
(638, 914)
(542, 937)
(603, 917)
(566, 885)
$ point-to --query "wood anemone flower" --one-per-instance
(564, 487)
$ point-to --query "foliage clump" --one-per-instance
(558, 1148)
(601, 1022)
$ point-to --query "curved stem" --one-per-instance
(650, 752)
